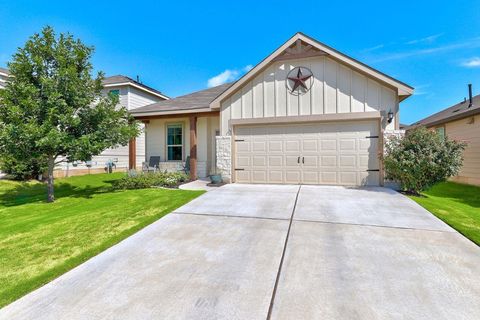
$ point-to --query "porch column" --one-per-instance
(132, 153)
(193, 147)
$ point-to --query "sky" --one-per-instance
(179, 46)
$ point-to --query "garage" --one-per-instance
(331, 153)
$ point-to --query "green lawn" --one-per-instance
(40, 241)
(456, 204)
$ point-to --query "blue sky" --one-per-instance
(177, 46)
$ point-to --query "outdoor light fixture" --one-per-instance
(390, 116)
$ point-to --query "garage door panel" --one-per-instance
(348, 161)
(243, 176)
(292, 161)
(348, 178)
(259, 176)
(275, 176)
(328, 177)
(292, 146)
(320, 153)
(328, 145)
(293, 176)
(243, 161)
(259, 161)
(328, 161)
(310, 161)
(259, 146)
(309, 145)
(275, 161)
(310, 177)
(242, 146)
(347, 145)
(275, 146)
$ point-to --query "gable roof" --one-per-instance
(197, 101)
(119, 80)
(455, 112)
(404, 90)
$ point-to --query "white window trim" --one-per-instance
(168, 124)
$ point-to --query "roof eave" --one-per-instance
(455, 117)
(169, 112)
(128, 83)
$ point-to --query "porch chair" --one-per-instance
(186, 166)
(153, 164)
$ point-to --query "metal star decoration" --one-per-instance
(299, 80)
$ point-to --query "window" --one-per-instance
(115, 92)
(174, 142)
(441, 132)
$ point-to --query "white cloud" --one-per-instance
(470, 43)
(428, 39)
(421, 90)
(380, 46)
(228, 76)
(472, 63)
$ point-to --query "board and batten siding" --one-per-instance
(336, 88)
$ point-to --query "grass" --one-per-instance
(40, 241)
(456, 204)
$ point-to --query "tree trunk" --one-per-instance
(51, 166)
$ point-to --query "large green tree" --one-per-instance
(53, 109)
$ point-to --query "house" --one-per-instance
(132, 94)
(3, 77)
(461, 122)
(307, 113)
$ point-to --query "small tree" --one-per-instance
(422, 158)
(52, 109)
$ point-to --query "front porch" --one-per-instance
(177, 138)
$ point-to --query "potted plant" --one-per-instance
(216, 178)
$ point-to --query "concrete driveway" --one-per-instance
(275, 252)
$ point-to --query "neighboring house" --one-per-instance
(305, 114)
(132, 94)
(3, 77)
(461, 122)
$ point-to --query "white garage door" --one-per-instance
(341, 153)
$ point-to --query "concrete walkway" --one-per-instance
(275, 252)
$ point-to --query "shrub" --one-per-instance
(148, 180)
(422, 158)
(22, 169)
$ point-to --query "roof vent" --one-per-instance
(470, 102)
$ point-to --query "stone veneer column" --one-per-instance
(224, 157)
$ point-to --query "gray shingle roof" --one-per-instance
(3, 70)
(196, 100)
(458, 111)
(122, 79)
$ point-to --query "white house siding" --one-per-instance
(3, 79)
(131, 98)
(206, 127)
(336, 89)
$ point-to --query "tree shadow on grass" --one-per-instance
(25, 193)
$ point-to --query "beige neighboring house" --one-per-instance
(306, 114)
(132, 94)
(461, 122)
